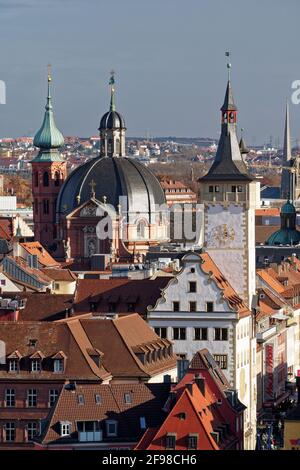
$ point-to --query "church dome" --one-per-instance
(288, 208)
(288, 234)
(284, 237)
(112, 120)
(112, 177)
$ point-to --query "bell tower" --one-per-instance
(49, 170)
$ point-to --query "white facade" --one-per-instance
(227, 337)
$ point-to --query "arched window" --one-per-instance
(46, 178)
(118, 147)
(109, 146)
(56, 179)
(36, 179)
(141, 229)
(46, 206)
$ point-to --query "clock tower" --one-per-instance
(229, 196)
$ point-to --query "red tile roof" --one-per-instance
(44, 258)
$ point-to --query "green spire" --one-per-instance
(48, 136)
(112, 91)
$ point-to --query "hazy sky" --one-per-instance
(169, 61)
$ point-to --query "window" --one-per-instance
(193, 441)
(179, 333)
(240, 189)
(56, 285)
(192, 270)
(10, 432)
(31, 397)
(127, 398)
(233, 189)
(141, 229)
(80, 398)
(192, 286)
(176, 306)
(210, 189)
(209, 306)
(161, 332)
(3, 282)
(10, 397)
(46, 206)
(36, 365)
(200, 334)
(221, 334)
(98, 399)
(31, 430)
(193, 306)
(32, 343)
(53, 394)
(46, 178)
(182, 416)
(111, 428)
(56, 179)
(170, 441)
(143, 422)
(221, 360)
(65, 428)
(217, 189)
(13, 365)
(58, 366)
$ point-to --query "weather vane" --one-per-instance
(49, 72)
(227, 54)
(112, 78)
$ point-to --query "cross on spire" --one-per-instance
(92, 185)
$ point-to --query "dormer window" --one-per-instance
(13, 365)
(65, 428)
(58, 366)
(36, 365)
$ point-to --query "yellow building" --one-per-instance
(292, 429)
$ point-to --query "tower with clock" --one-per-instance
(229, 196)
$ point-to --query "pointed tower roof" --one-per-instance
(228, 104)
(287, 154)
(228, 164)
(48, 138)
(286, 188)
(243, 147)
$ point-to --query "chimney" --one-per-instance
(200, 382)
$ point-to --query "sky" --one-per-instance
(169, 60)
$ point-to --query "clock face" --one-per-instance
(221, 235)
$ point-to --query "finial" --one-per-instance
(78, 199)
(49, 80)
(112, 90)
(104, 199)
(227, 54)
(92, 184)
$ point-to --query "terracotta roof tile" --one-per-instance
(35, 248)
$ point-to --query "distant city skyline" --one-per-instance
(169, 62)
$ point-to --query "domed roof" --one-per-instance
(113, 177)
(112, 120)
(288, 208)
(48, 136)
(284, 237)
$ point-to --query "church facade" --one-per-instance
(113, 189)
